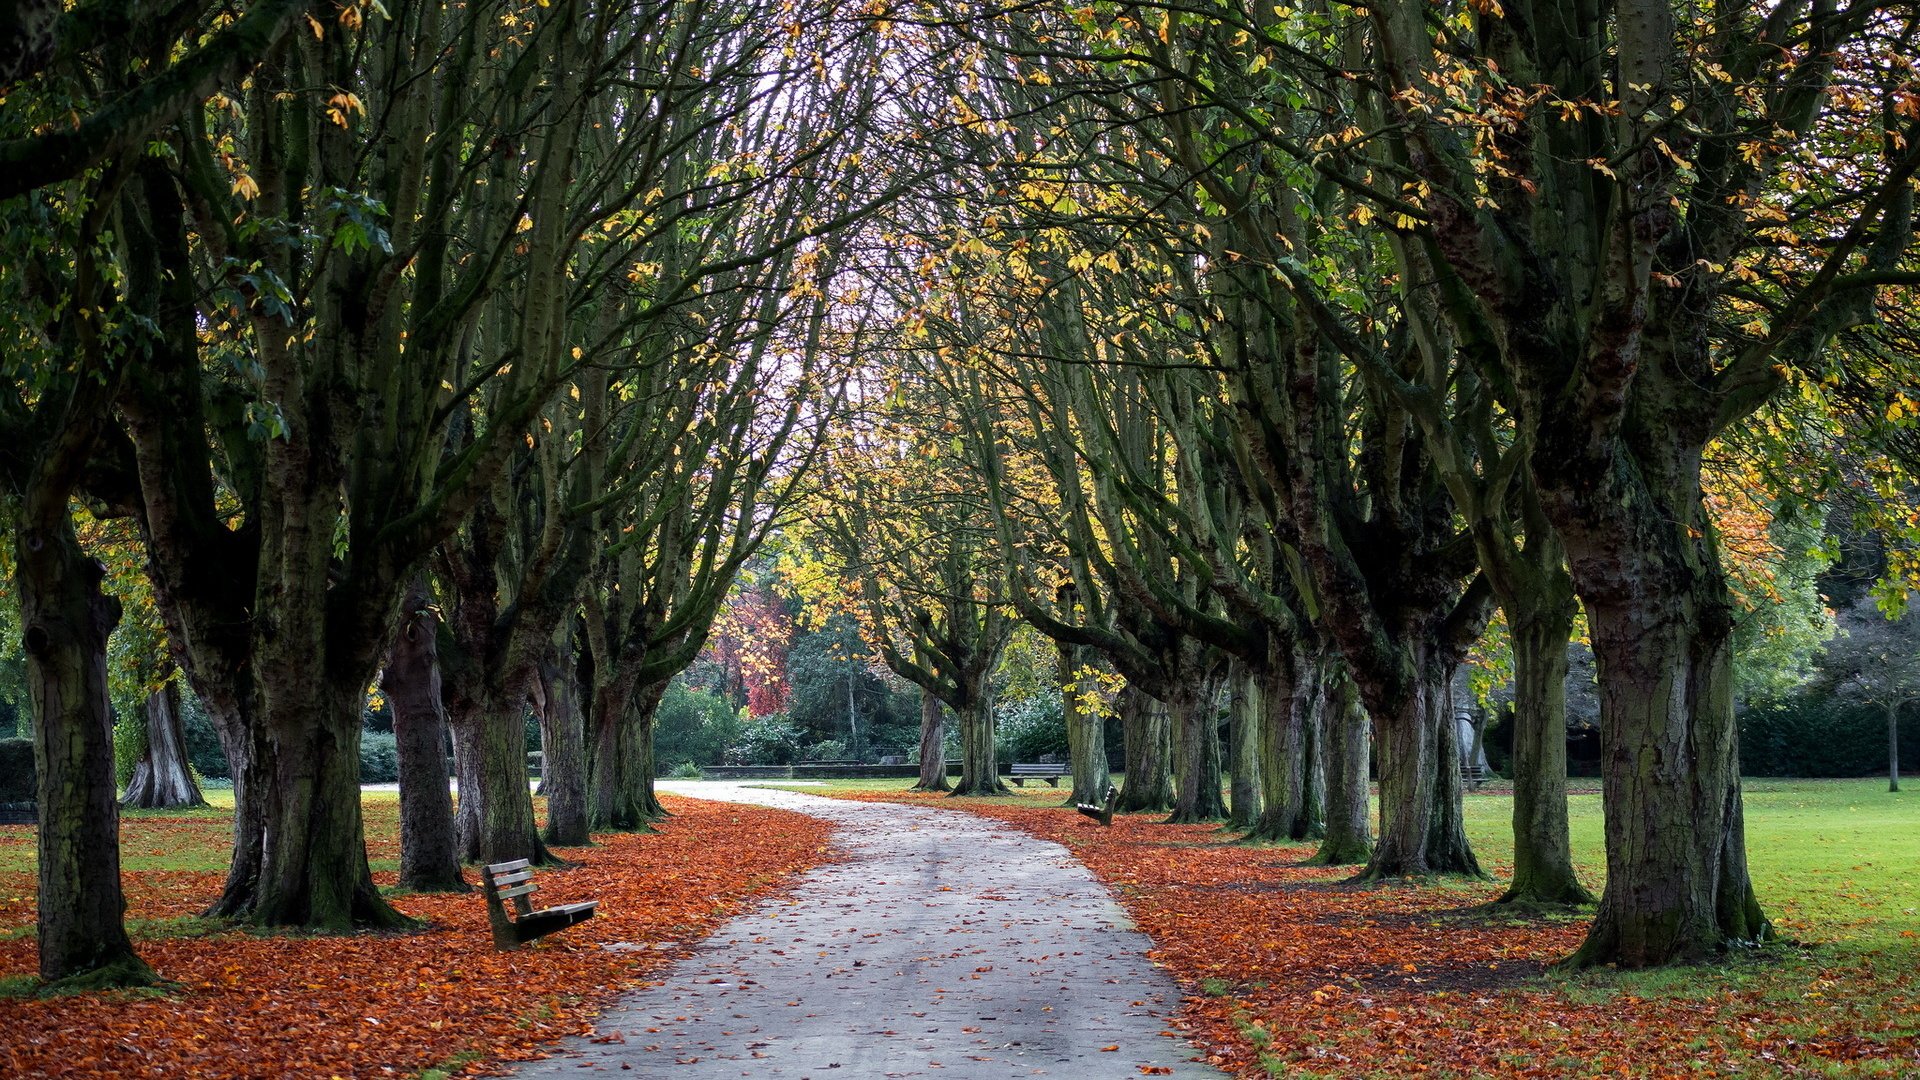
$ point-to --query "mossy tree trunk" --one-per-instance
(979, 759)
(638, 794)
(161, 778)
(1245, 749)
(1543, 870)
(1149, 787)
(1086, 731)
(429, 855)
(1197, 789)
(933, 744)
(66, 619)
(563, 776)
(1348, 731)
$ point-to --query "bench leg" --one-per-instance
(1053, 782)
(1017, 781)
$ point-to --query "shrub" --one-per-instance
(379, 758)
(204, 752)
(769, 740)
(825, 750)
(1030, 729)
(693, 726)
(1816, 735)
(129, 743)
(17, 777)
(686, 770)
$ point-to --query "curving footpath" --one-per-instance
(943, 944)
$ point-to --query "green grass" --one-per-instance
(1833, 861)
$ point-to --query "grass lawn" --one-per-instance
(1291, 972)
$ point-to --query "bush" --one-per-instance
(770, 740)
(1031, 729)
(379, 758)
(1815, 735)
(204, 752)
(129, 744)
(693, 727)
(825, 750)
(17, 778)
(686, 770)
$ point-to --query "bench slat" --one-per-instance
(515, 878)
(518, 890)
(508, 867)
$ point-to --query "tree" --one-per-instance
(410, 678)
(1595, 238)
(1877, 660)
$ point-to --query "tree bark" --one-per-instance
(429, 856)
(1244, 761)
(1421, 830)
(496, 821)
(66, 620)
(979, 759)
(1086, 734)
(161, 778)
(933, 743)
(1677, 882)
(606, 768)
(1286, 694)
(1313, 812)
(1149, 772)
(1893, 746)
(1349, 838)
(639, 774)
(313, 870)
(1542, 853)
(563, 775)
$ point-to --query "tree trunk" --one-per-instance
(1313, 811)
(1284, 694)
(1244, 764)
(1149, 772)
(429, 857)
(640, 795)
(563, 775)
(1086, 734)
(1348, 731)
(244, 745)
(161, 778)
(1421, 828)
(933, 745)
(603, 765)
(1677, 883)
(66, 620)
(1893, 746)
(1542, 855)
(503, 814)
(1447, 829)
(1197, 796)
(979, 759)
(313, 870)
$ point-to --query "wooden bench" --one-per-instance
(1102, 814)
(1474, 775)
(511, 882)
(1024, 771)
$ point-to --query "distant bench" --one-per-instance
(1035, 770)
(511, 882)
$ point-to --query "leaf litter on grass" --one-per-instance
(251, 1004)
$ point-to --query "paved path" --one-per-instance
(943, 944)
